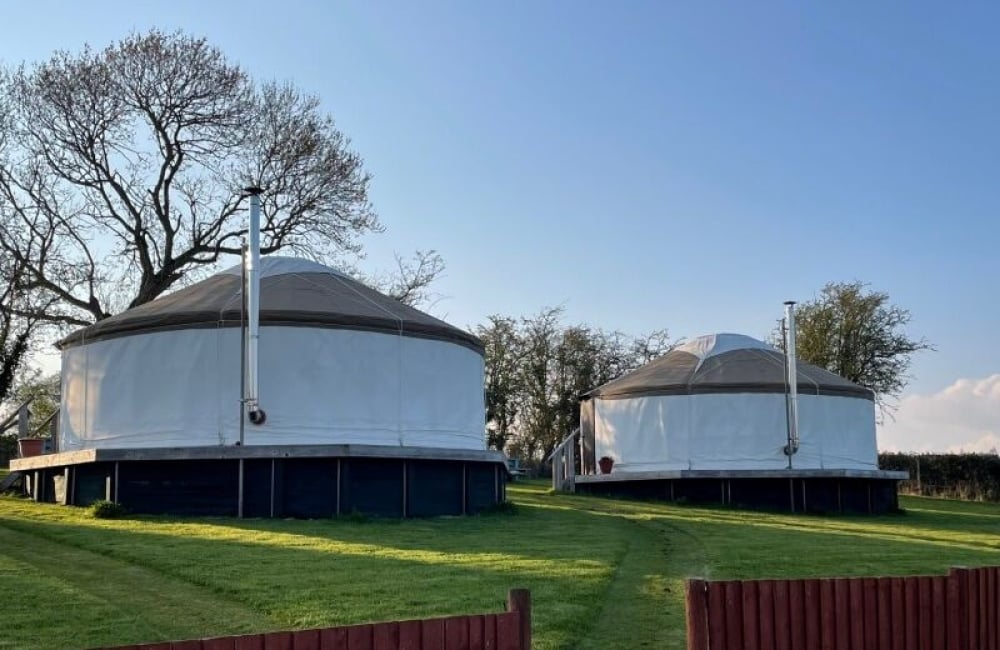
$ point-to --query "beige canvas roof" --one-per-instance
(293, 292)
(724, 363)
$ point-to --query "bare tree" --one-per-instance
(410, 281)
(121, 174)
(17, 323)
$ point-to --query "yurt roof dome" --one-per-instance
(293, 292)
(725, 363)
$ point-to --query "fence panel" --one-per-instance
(958, 610)
(510, 630)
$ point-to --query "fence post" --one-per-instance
(697, 614)
(519, 600)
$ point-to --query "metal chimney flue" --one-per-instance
(792, 381)
(255, 413)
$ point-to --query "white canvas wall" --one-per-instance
(733, 431)
(318, 386)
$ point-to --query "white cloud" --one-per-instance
(963, 417)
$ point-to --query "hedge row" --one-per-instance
(974, 477)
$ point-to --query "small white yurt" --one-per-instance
(339, 363)
(718, 402)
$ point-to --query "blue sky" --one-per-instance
(647, 165)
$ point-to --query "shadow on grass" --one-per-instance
(332, 572)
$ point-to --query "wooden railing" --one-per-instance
(510, 630)
(20, 416)
(959, 611)
(563, 459)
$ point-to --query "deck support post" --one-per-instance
(239, 491)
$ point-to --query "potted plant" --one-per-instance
(606, 463)
(28, 447)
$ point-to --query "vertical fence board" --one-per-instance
(490, 632)
(696, 599)
(185, 645)
(224, 643)
(385, 636)
(911, 620)
(796, 614)
(811, 606)
(278, 641)
(898, 613)
(432, 635)
(869, 590)
(508, 632)
(409, 635)
(751, 636)
(983, 586)
(304, 640)
(249, 642)
(456, 633)
(828, 616)
(857, 605)
(359, 637)
(842, 613)
(885, 613)
(995, 615)
(782, 636)
(717, 616)
(955, 616)
(939, 612)
(991, 610)
(334, 638)
(972, 610)
(734, 614)
(924, 595)
(765, 613)
(476, 632)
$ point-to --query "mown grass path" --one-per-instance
(603, 573)
(55, 577)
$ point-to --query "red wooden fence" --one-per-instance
(510, 630)
(959, 611)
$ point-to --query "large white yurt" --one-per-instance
(718, 402)
(339, 363)
(371, 406)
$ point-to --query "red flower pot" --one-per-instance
(28, 447)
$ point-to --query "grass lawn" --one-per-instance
(603, 573)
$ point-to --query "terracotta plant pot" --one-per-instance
(606, 463)
(28, 447)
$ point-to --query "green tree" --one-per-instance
(537, 368)
(502, 343)
(860, 335)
